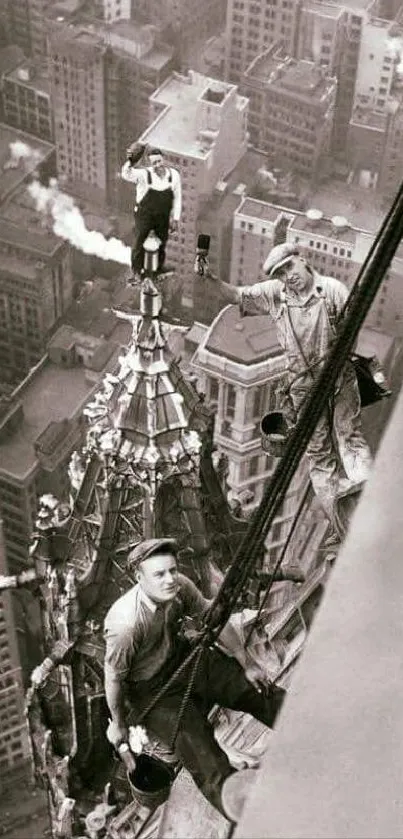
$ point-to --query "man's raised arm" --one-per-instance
(228, 293)
(128, 172)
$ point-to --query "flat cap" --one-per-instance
(279, 256)
(143, 550)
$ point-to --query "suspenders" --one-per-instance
(149, 182)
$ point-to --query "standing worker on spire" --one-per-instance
(158, 196)
(305, 308)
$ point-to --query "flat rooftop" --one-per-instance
(369, 118)
(243, 340)
(10, 175)
(176, 127)
(300, 77)
(258, 209)
(325, 9)
(135, 34)
(52, 395)
(38, 77)
(324, 227)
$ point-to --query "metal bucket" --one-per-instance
(274, 433)
(151, 781)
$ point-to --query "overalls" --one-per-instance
(306, 333)
(152, 213)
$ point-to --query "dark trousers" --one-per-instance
(219, 680)
(147, 219)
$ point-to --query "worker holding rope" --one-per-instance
(144, 648)
(306, 308)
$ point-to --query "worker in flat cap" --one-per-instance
(305, 307)
(158, 202)
(144, 646)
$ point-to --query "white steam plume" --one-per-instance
(67, 220)
(69, 224)
(21, 153)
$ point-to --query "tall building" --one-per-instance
(201, 127)
(253, 26)
(376, 60)
(26, 99)
(291, 111)
(366, 143)
(15, 754)
(240, 367)
(332, 245)
(27, 25)
(354, 16)
(36, 285)
(320, 34)
(101, 80)
(216, 220)
(389, 163)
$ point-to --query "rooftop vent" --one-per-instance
(314, 216)
(23, 74)
(340, 223)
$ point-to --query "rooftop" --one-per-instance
(325, 9)
(176, 127)
(31, 74)
(243, 340)
(258, 209)
(301, 77)
(370, 118)
(324, 227)
(134, 36)
(11, 175)
(53, 394)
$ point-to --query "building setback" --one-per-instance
(291, 111)
(253, 26)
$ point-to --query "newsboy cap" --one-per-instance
(144, 550)
(279, 256)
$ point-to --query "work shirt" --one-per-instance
(170, 180)
(305, 326)
(141, 635)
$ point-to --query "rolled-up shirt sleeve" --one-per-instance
(260, 298)
(194, 603)
(120, 650)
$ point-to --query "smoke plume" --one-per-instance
(66, 218)
(22, 154)
(69, 224)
